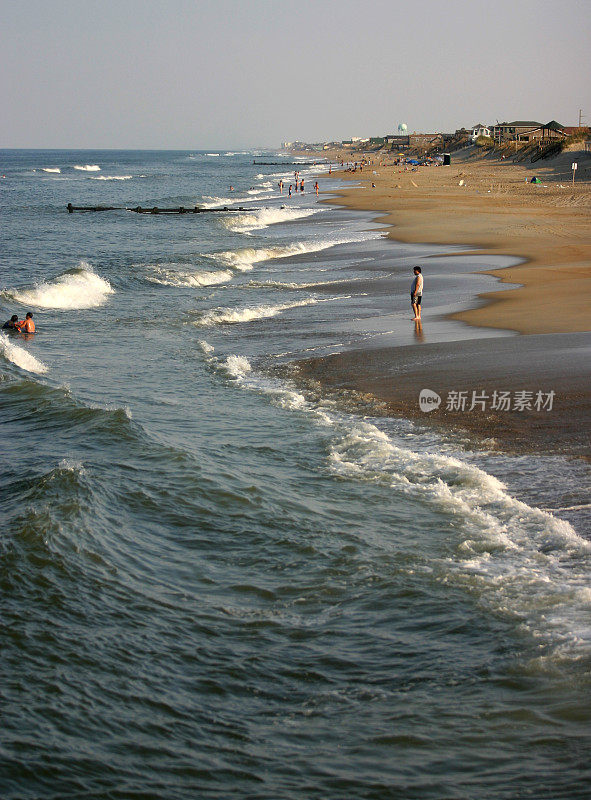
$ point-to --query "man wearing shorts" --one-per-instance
(416, 294)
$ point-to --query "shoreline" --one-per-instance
(495, 212)
(551, 355)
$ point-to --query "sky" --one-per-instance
(199, 74)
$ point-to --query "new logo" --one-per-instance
(429, 400)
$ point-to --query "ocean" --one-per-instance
(218, 583)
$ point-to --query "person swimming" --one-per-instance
(12, 324)
(27, 325)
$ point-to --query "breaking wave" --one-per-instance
(517, 560)
(244, 258)
(51, 169)
(88, 167)
(19, 356)
(170, 277)
(231, 316)
(211, 201)
(77, 288)
(263, 217)
(113, 178)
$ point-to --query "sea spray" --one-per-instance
(75, 289)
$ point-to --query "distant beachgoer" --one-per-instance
(280, 187)
(231, 188)
(373, 186)
(302, 185)
(11, 324)
(416, 293)
(330, 169)
(316, 188)
(290, 187)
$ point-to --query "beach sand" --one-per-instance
(496, 211)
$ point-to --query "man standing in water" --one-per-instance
(416, 293)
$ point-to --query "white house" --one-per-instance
(479, 130)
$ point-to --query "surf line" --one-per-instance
(157, 210)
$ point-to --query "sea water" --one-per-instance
(217, 584)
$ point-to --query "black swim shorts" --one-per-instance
(416, 300)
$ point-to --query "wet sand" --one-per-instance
(388, 380)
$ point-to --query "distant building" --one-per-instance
(396, 141)
(528, 130)
(479, 130)
(425, 140)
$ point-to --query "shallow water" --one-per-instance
(214, 585)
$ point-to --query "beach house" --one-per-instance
(479, 130)
(528, 131)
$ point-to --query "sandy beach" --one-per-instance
(497, 210)
(492, 207)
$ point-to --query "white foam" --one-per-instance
(212, 155)
(77, 288)
(516, 559)
(88, 167)
(263, 217)
(51, 169)
(231, 316)
(170, 277)
(71, 465)
(293, 285)
(236, 366)
(216, 202)
(245, 258)
(113, 178)
(19, 356)
(206, 347)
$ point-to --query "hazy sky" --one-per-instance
(235, 73)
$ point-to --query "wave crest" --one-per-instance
(112, 178)
(231, 316)
(263, 217)
(77, 288)
(170, 277)
(20, 357)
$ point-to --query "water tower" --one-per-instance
(402, 129)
